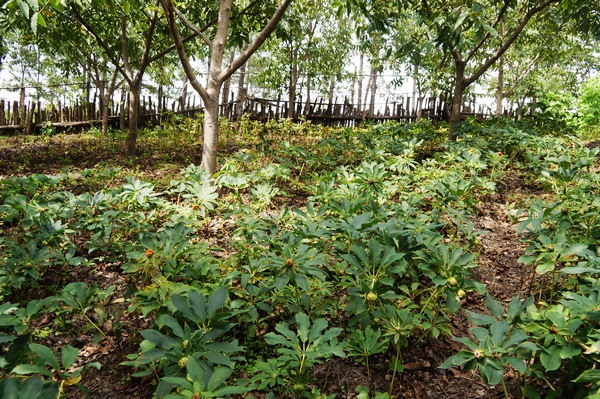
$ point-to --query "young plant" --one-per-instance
(497, 343)
(302, 349)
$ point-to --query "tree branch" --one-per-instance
(258, 41)
(490, 61)
(190, 26)
(185, 63)
(109, 53)
(148, 43)
(522, 76)
(487, 34)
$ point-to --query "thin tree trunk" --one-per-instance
(211, 128)
(22, 114)
(331, 89)
(459, 88)
(360, 79)
(227, 83)
(353, 85)
(160, 99)
(308, 87)
(373, 90)
(293, 79)
(500, 87)
(134, 102)
(183, 98)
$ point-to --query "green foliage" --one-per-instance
(378, 258)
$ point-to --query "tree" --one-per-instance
(476, 35)
(309, 50)
(128, 33)
(217, 73)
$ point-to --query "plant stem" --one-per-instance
(504, 388)
(94, 324)
(391, 389)
(434, 294)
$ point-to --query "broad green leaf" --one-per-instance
(494, 307)
(303, 326)
(517, 364)
(169, 321)
(550, 358)
(544, 268)
(31, 369)
(217, 300)
(69, 356)
(218, 377)
(587, 376)
(194, 370)
(46, 354)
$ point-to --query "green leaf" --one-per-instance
(517, 364)
(69, 356)
(218, 377)
(315, 331)
(544, 268)
(303, 326)
(25, 369)
(169, 321)
(217, 300)
(494, 307)
(491, 375)
(194, 369)
(46, 354)
(34, 22)
(587, 376)
(40, 20)
(550, 358)
(158, 338)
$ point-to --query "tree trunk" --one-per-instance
(500, 88)
(160, 99)
(227, 83)
(292, 82)
(353, 85)
(308, 87)
(104, 111)
(183, 98)
(373, 90)
(459, 88)
(104, 99)
(134, 102)
(22, 114)
(211, 129)
(331, 89)
(360, 79)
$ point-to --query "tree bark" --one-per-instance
(293, 80)
(360, 79)
(227, 83)
(132, 132)
(211, 128)
(373, 82)
(500, 88)
(183, 98)
(459, 89)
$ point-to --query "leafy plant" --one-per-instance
(300, 350)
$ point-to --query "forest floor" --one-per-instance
(498, 269)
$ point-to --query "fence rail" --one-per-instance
(17, 117)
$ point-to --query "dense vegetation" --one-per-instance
(308, 246)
